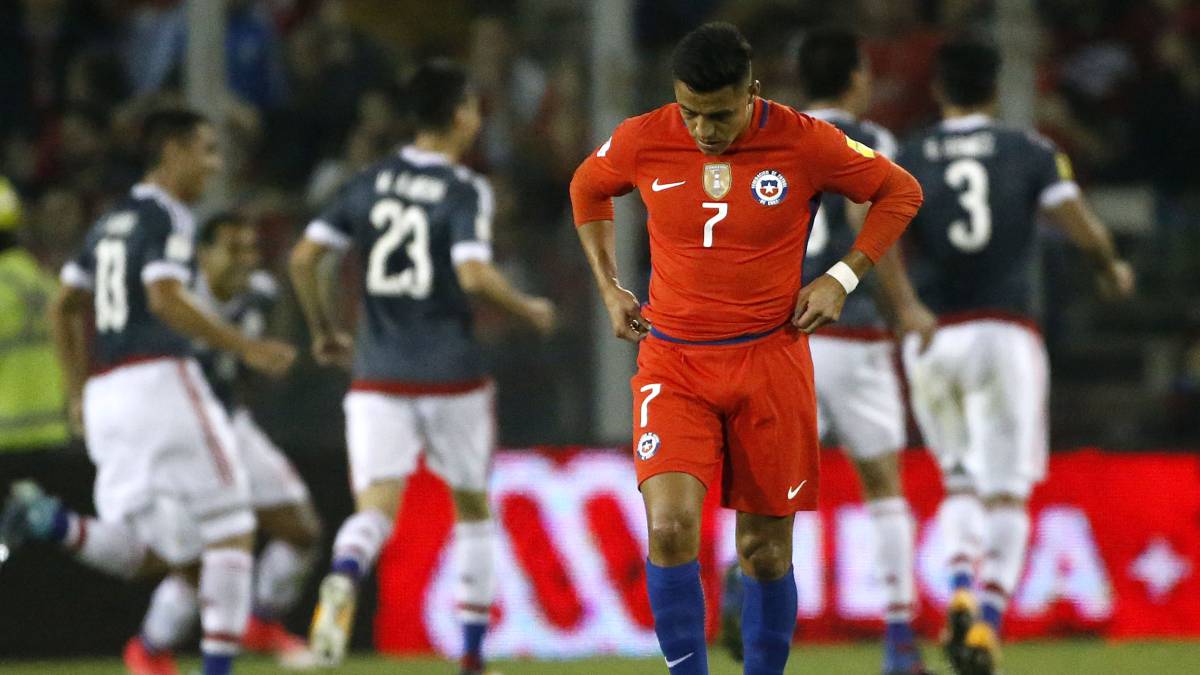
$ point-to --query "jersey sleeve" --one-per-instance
(471, 222)
(843, 165)
(168, 247)
(333, 227)
(606, 173)
(1053, 177)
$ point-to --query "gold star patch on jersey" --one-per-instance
(860, 148)
(718, 178)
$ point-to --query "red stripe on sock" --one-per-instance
(82, 538)
(993, 587)
(224, 637)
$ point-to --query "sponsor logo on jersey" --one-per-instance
(718, 178)
(647, 445)
(769, 187)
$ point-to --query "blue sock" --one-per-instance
(993, 615)
(61, 524)
(217, 664)
(960, 580)
(473, 642)
(768, 622)
(677, 601)
(899, 652)
(347, 566)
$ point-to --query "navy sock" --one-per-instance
(959, 581)
(768, 622)
(993, 615)
(347, 566)
(217, 664)
(900, 651)
(473, 642)
(61, 525)
(677, 600)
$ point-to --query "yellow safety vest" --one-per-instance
(32, 399)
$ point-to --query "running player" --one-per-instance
(229, 284)
(422, 224)
(170, 488)
(858, 392)
(979, 392)
(724, 383)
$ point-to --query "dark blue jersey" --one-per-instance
(412, 218)
(975, 241)
(248, 311)
(144, 238)
(833, 236)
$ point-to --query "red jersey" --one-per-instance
(727, 232)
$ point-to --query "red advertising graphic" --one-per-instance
(1114, 551)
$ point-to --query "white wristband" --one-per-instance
(844, 275)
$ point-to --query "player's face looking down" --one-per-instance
(228, 261)
(715, 119)
(193, 160)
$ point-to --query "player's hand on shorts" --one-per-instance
(818, 303)
(1116, 280)
(271, 357)
(916, 319)
(333, 349)
(625, 312)
(542, 315)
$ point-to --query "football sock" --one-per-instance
(112, 548)
(476, 585)
(961, 521)
(282, 571)
(226, 577)
(894, 555)
(359, 541)
(768, 622)
(677, 602)
(173, 611)
(1007, 537)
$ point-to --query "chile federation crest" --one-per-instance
(769, 187)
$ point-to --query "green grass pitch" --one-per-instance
(1034, 658)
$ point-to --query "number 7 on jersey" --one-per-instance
(722, 211)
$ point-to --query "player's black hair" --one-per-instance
(828, 57)
(213, 224)
(163, 126)
(436, 89)
(967, 68)
(712, 57)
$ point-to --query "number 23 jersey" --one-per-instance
(412, 218)
(727, 232)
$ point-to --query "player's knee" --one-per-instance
(674, 538)
(383, 496)
(880, 478)
(471, 506)
(763, 556)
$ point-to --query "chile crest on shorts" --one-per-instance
(769, 187)
(647, 445)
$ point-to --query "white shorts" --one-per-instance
(858, 395)
(385, 434)
(166, 458)
(979, 394)
(273, 480)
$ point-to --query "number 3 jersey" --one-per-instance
(727, 232)
(413, 218)
(975, 239)
(146, 237)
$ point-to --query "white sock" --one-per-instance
(894, 532)
(1007, 538)
(359, 541)
(282, 571)
(172, 614)
(474, 563)
(112, 548)
(961, 520)
(226, 575)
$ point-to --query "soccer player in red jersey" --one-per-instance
(724, 383)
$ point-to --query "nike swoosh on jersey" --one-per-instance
(792, 492)
(672, 664)
(659, 187)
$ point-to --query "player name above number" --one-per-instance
(412, 187)
(979, 144)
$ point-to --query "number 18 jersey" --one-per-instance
(412, 218)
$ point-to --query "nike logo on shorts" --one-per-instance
(659, 187)
(672, 664)
(792, 492)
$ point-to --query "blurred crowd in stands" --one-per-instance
(316, 98)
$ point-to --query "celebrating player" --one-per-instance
(229, 284)
(423, 226)
(724, 383)
(170, 488)
(979, 392)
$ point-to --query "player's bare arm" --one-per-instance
(171, 302)
(482, 280)
(624, 310)
(313, 282)
(68, 320)
(1114, 276)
